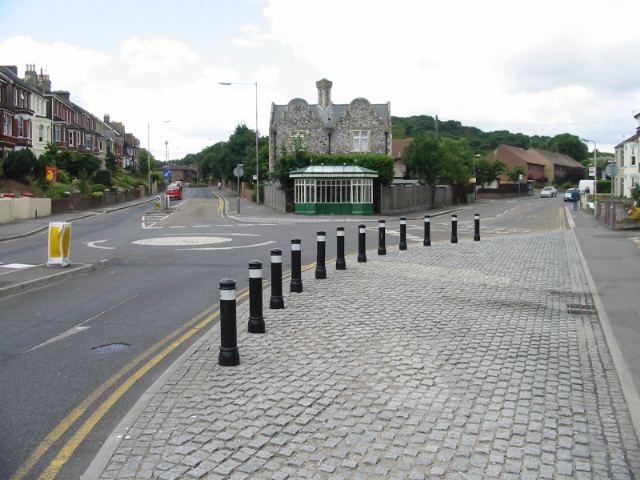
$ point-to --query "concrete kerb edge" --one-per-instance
(626, 381)
(106, 452)
(39, 282)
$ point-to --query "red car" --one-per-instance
(174, 192)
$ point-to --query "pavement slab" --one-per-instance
(452, 361)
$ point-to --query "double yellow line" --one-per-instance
(192, 327)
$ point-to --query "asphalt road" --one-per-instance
(76, 355)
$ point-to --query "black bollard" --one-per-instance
(382, 229)
(427, 231)
(296, 266)
(476, 221)
(362, 241)
(256, 319)
(276, 301)
(454, 228)
(321, 269)
(403, 233)
(341, 264)
(229, 356)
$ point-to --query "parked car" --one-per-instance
(174, 192)
(567, 194)
(548, 192)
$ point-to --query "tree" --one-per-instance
(515, 172)
(19, 165)
(423, 159)
(571, 145)
(488, 171)
(110, 160)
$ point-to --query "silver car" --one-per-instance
(548, 192)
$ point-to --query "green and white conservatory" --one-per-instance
(333, 190)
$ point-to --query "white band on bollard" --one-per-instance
(276, 258)
(341, 233)
(362, 230)
(296, 246)
(255, 273)
(321, 238)
(227, 294)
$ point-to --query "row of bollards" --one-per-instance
(229, 355)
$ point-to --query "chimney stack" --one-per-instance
(324, 92)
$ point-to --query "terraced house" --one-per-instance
(32, 115)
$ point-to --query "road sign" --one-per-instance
(612, 170)
(166, 173)
(238, 171)
(592, 171)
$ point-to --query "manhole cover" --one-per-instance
(581, 308)
(112, 347)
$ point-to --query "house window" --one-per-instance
(100, 147)
(20, 127)
(360, 141)
(633, 156)
(58, 135)
(298, 139)
(7, 128)
(88, 142)
(71, 139)
(41, 133)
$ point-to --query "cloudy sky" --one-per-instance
(544, 67)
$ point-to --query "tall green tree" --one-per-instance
(571, 145)
(423, 159)
(488, 171)
(110, 160)
(514, 173)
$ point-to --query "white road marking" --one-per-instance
(181, 241)
(93, 245)
(17, 266)
(230, 248)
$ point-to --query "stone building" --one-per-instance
(328, 128)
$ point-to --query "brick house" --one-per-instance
(328, 128)
(558, 164)
(16, 112)
(515, 156)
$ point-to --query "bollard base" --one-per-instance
(341, 264)
(229, 357)
(321, 273)
(256, 325)
(362, 258)
(276, 303)
(382, 251)
(296, 286)
(426, 243)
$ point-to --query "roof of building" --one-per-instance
(333, 171)
(398, 146)
(557, 158)
(333, 113)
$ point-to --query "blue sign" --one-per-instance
(166, 173)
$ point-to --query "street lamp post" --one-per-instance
(257, 136)
(149, 151)
(475, 181)
(595, 166)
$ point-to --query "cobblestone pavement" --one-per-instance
(456, 361)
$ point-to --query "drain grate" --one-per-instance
(581, 308)
(112, 347)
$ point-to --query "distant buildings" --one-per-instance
(32, 115)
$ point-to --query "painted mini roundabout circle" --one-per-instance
(187, 241)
